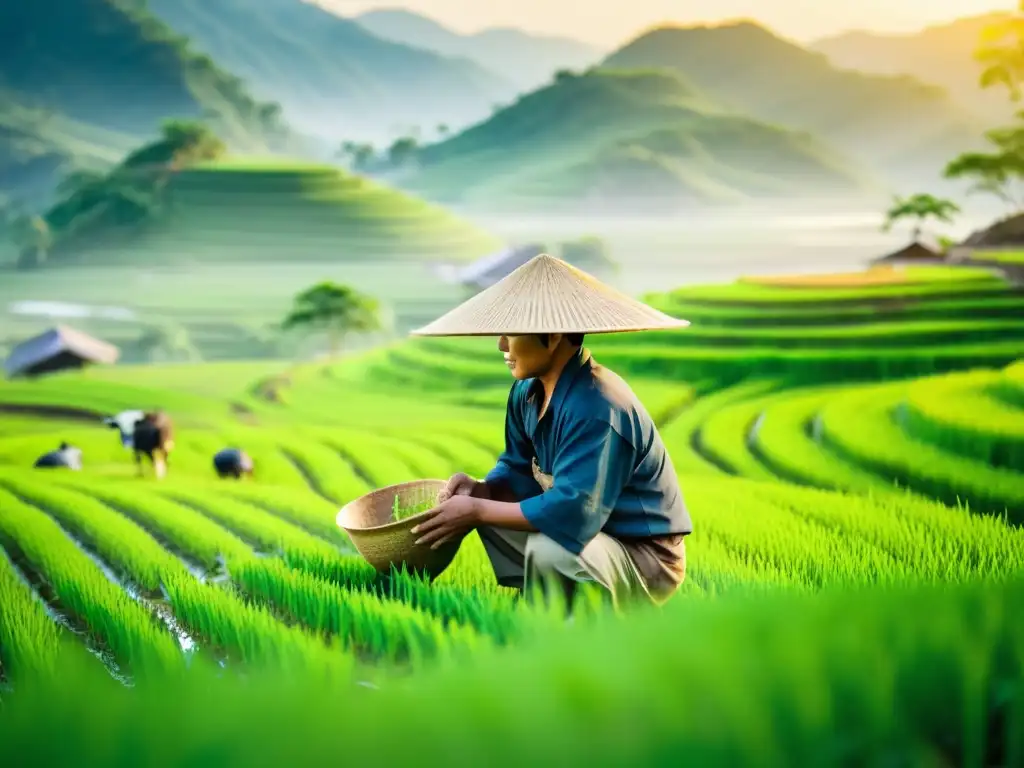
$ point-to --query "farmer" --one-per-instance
(232, 462)
(153, 436)
(65, 457)
(584, 490)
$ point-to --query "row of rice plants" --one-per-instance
(181, 530)
(787, 441)
(808, 365)
(808, 539)
(299, 506)
(489, 611)
(249, 522)
(679, 433)
(979, 284)
(249, 633)
(920, 309)
(863, 426)
(727, 434)
(30, 641)
(1010, 388)
(933, 541)
(365, 624)
(945, 675)
(957, 413)
(114, 622)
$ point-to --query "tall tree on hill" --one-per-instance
(334, 309)
(920, 208)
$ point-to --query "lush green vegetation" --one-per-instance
(110, 69)
(808, 484)
(632, 139)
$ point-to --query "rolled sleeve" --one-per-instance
(592, 466)
(513, 468)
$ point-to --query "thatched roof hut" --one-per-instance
(914, 253)
(58, 349)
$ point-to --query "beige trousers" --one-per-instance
(533, 560)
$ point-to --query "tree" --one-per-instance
(997, 172)
(335, 309)
(1002, 54)
(920, 207)
(34, 239)
(402, 151)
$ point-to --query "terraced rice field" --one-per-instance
(272, 210)
(854, 470)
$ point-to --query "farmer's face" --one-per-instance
(526, 356)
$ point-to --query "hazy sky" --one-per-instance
(622, 19)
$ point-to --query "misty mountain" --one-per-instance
(897, 126)
(627, 142)
(941, 54)
(332, 77)
(528, 60)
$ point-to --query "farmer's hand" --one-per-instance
(450, 519)
(459, 484)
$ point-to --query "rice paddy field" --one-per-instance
(852, 452)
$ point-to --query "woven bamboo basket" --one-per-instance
(384, 542)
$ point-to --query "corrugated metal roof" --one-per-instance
(492, 268)
(55, 341)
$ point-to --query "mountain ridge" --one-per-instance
(900, 127)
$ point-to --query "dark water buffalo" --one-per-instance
(65, 457)
(153, 436)
(232, 462)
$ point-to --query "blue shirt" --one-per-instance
(611, 470)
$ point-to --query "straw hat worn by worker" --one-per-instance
(584, 490)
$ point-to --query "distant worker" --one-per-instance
(153, 436)
(65, 457)
(232, 462)
(124, 422)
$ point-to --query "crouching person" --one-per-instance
(232, 462)
(584, 491)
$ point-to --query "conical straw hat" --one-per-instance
(547, 295)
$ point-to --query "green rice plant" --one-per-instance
(1010, 388)
(365, 624)
(178, 528)
(679, 434)
(114, 537)
(399, 512)
(247, 521)
(788, 443)
(252, 634)
(305, 509)
(113, 620)
(727, 435)
(326, 471)
(460, 453)
(763, 679)
(374, 458)
(489, 612)
(863, 426)
(931, 541)
(956, 412)
(809, 539)
(31, 643)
